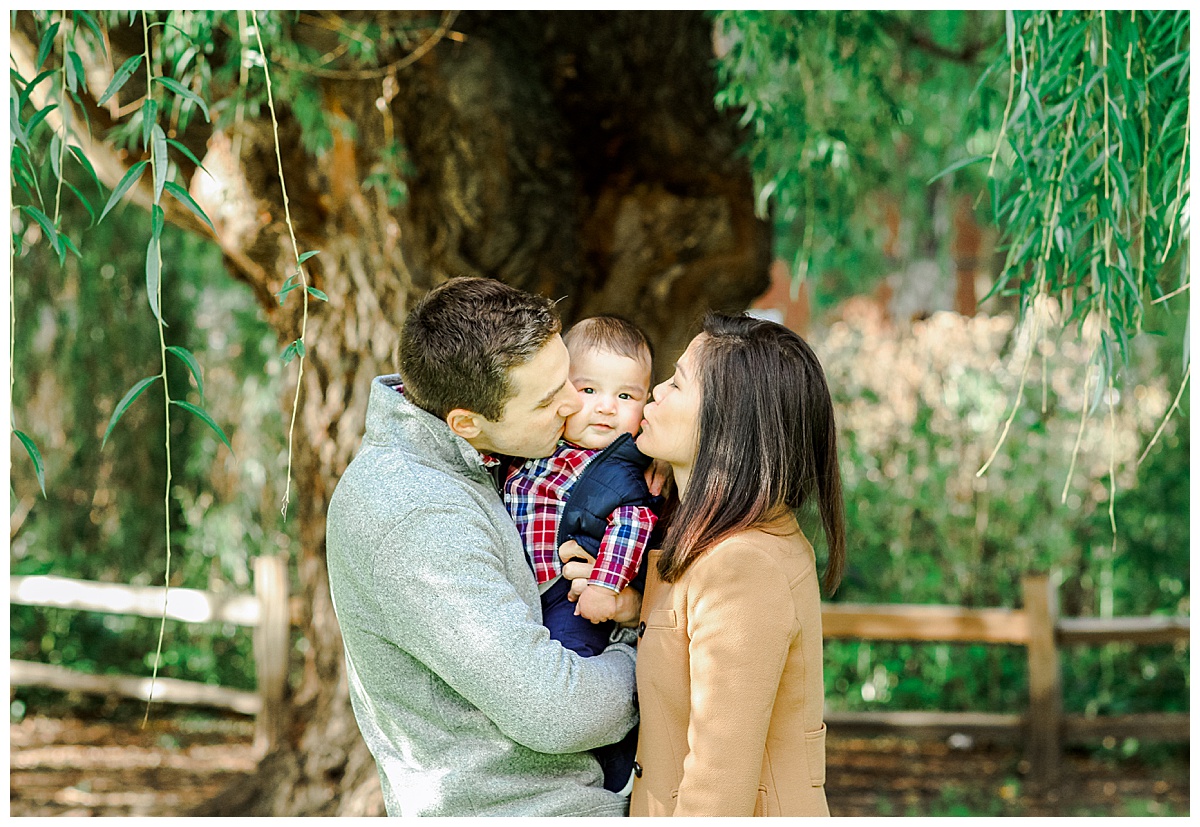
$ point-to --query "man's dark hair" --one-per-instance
(767, 440)
(611, 333)
(461, 340)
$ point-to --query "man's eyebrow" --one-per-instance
(545, 400)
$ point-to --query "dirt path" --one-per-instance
(77, 767)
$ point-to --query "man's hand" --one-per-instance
(629, 601)
(597, 604)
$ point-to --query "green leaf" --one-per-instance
(46, 224)
(24, 171)
(965, 162)
(86, 204)
(159, 146)
(157, 221)
(38, 467)
(300, 350)
(306, 256)
(149, 117)
(208, 420)
(318, 294)
(126, 182)
(289, 353)
(91, 23)
(1167, 64)
(37, 117)
(68, 246)
(85, 163)
(75, 71)
(55, 150)
(153, 278)
(23, 98)
(47, 44)
(14, 123)
(123, 74)
(192, 365)
(181, 90)
(186, 199)
(187, 152)
(124, 404)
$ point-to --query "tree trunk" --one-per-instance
(575, 154)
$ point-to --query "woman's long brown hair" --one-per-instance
(766, 441)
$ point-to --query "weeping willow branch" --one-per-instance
(287, 213)
(1186, 374)
(156, 250)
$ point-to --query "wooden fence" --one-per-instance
(266, 611)
(1043, 727)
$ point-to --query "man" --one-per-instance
(466, 704)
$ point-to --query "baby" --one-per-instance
(592, 490)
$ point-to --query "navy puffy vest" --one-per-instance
(615, 477)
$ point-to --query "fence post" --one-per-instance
(272, 641)
(1045, 719)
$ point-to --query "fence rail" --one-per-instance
(266, 611)
(1042, 726)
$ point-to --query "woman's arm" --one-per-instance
(740, 624)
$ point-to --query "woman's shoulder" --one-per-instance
(781, 546)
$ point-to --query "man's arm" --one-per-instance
(445, 599)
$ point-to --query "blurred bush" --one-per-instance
(920, 409)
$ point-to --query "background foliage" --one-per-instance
(1075, 126)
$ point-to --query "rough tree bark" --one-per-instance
(575, 154)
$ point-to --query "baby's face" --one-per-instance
(613, 389)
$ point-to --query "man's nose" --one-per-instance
(572, 401)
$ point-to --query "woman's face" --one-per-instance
(671, 423)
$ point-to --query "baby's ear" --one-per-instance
(464, 423)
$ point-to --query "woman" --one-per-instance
(729, 669)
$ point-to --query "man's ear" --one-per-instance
(464, 423)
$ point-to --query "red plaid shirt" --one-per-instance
(535, 494)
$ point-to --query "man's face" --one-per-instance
(533, 419)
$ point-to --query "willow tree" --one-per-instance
(346, 162)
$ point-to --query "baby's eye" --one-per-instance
(587, 390)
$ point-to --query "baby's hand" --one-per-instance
(597, 604)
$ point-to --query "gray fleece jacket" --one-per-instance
(467, 705)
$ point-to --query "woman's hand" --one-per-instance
(577, 567)
(659, 478)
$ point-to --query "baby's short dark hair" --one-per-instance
(611, 333)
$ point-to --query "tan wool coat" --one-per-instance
(730, 684)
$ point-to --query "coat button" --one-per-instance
(642, 628)
(637, 770)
